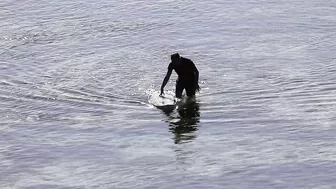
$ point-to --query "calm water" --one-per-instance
(75, 77)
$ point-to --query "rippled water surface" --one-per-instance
(75, 77)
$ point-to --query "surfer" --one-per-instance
(187, 76)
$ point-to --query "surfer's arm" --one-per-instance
(194, 70)
(196, 76)
(165, 80)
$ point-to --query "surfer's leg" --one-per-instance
(190, 91)
(179, 89)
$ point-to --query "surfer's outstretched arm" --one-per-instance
(165, 80)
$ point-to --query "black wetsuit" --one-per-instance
(186, 71)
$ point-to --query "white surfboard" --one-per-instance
(168, 99)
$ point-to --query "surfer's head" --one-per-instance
(175, 57)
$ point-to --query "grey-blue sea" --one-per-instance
(75, 76)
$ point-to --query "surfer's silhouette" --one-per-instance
(187, 76)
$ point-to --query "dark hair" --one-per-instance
(175, 56)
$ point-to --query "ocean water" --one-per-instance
(75, 77)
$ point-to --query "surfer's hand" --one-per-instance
(162, 93)
(197, 87)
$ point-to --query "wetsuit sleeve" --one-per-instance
(192, 65)
(170, 67)
(196, 75)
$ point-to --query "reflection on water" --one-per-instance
(184, 124)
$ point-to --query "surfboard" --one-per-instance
(167, 100)
(168, 103)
